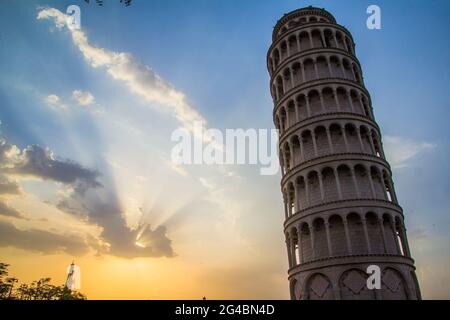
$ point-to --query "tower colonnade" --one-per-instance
(341, 210)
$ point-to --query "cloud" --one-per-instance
(38, 162)
(41, 241)
(400, 151)
(8, 187)
(54, 102)
(139, 78)
(142, 241)
(101, 209)
(5, 210)
(52, 99)
(418, 234)
(83, 98)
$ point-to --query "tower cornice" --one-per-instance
(300, 13)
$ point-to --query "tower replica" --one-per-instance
(342, 214)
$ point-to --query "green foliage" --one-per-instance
(41, 289)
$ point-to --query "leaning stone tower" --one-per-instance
(341, 210)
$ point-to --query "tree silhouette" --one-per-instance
(41, 289)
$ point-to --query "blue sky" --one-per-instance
(214, 52)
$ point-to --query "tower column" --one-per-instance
(347, 236)
(288, 246)
(338, 183)
(313, 249)
(366, 235)
(330, 143)
(327, 229)
(383, 233)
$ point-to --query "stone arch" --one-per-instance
(271, 66)
(283, 49)
(357, 74)
(308, 145)
(375, 233)
(340, 40)
(280, 88)
(291, 199)
(294, 287)
(367, 110)
(357, 106)
(401, 237)
(328, 100)
(348, 73)
(362, 179)
(292, 24)
(349, 45)
(329, 184)
(287, 156)
(393, 285)
(305, 241)
(296, 73)
(346, 182)
(390, 234)
(366, 140)
(353, 286)
(316, 39)
(274, 92)
(276, 57)
(322, 67)
(302, 107)
(337, 138)
(344, 102)
(281, 158)
(287, 79)
(301, 192)
(310, 71)
(292, 43)
(295, 247)
(315, 197)
(389, 190)
(351, 134)
(319, 287)
(329, 39)
(376, 143)
(356, 234)
(291, 114)
(283, 118)
(314, 102)
(303, 38)
(378, 183)
(321, 137)
(277, 122)
(295, 141)
(336, 67)
(337, 235)
(320, 238)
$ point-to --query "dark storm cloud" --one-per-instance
(41, 241)
(39, 162)
(5, 210)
